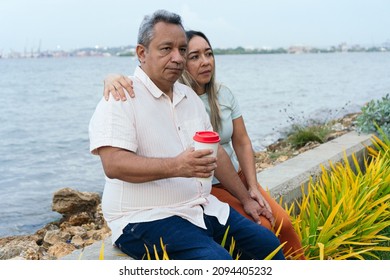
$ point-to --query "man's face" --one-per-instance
(164, 60)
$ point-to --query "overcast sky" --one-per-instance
(71, 24)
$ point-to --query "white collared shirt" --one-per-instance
(151, 125)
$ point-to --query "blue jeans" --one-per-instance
(185, 241)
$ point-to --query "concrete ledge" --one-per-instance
(92, 252)
(285, 179)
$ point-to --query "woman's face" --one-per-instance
(200, 61)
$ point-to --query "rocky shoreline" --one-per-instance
(82, 222)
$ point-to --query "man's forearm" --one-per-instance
(129, 167)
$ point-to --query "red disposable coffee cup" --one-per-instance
(207, 140)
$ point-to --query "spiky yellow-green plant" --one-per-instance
(232, 244)
(381, 146)
(223, 244)
(156, 255)
(101, 253)
(344, 211)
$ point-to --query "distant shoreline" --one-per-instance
(130, 51)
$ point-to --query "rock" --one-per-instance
(309, 146)
(77, 241)
(60, 249)
(338, 127)
(282, 158)
(77, 231)
(23, 247)
(55, 236)
(68, 201)
(79, 219)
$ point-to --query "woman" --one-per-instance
(227, 120)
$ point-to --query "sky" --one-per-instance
(73, 24)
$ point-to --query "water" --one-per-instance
(46, 104)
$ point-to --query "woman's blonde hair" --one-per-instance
(212, 88)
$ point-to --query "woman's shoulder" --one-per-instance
(223, 89)
(225, 94)
(227, 99)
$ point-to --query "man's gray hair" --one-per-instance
(146, 32)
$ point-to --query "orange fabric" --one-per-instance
(287, 233)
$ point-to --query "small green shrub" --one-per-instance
(300, 135)
(375, 112)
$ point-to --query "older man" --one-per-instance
(145, 145)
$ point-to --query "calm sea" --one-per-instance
(46, 104)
